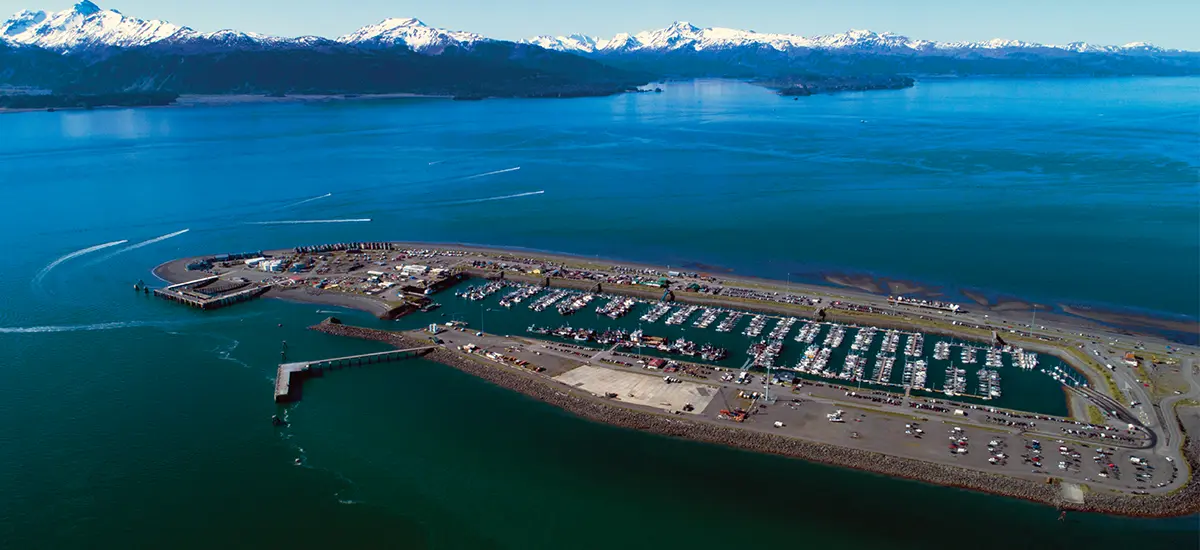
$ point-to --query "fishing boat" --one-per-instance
(656, 313)
(883, 367)
(863, 339)
(836, 334)
(706, 318)
(920, 371)
(730, 321)
(941, 350)
(710, 352)
(756, 326)
(915, 346)
(681, 315)
(890, 341)
(782, 328)
(808, 332)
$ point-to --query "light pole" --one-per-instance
(767, 395)
(481, 310)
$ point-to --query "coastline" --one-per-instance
(860, 307)
(1056, 334)
(227, 100)
(864, 286)
(222, 100)
(175, 272)
(1183, 502)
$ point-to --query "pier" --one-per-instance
(212, 292)
(290, 376)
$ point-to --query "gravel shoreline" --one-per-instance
(1183, 502)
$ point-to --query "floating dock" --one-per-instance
(290, 376)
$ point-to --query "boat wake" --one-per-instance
(513, 169)
(227, 354)
(49, 267)
(74, 328)
(144, 243)
(297, 222)
(500, 198)
(295, 204)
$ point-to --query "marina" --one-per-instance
(888, 359)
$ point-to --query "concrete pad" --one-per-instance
(1072, 493)
(640, 389)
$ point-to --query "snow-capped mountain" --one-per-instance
(83, 26)
(86, 26)
(104, 50)
(412, 33)
(682, 35)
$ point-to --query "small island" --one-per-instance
(810, 84)
(55, 101)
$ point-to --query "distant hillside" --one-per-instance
(104, 52)
(496, 69)
(88, 50)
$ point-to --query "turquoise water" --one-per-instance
(130, 422)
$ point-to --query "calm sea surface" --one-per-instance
(129, 422)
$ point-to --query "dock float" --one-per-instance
(290, 376)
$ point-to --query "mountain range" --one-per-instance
(90, 49)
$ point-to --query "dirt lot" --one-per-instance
(641, 389)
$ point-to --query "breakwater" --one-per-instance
(1183, 502)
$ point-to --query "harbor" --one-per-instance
(863, 356)
(692, 344)
(994, 450)
(798, 333)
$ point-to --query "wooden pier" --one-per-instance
(290, 376)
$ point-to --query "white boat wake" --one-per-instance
(73, 328)
(500, 198)
(144, 243)
(294, 222)
(513, 169)
(49, 267)
(227, 354)
(294, 204)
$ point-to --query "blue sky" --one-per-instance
(1168, 23)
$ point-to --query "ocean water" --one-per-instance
(128, 421)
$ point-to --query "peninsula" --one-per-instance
(902, 386)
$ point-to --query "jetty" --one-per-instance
(290, 376)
